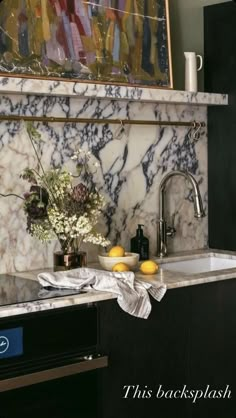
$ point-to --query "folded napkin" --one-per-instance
(132, 294)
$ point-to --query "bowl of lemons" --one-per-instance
(117, 259)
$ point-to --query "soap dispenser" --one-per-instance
(140, 244)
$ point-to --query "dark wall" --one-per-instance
(220, 77)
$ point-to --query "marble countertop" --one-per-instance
(171, 279)
(49, 302)
(28, 86)
(174, 279)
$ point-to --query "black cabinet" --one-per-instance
(220, 77)
(212, 348)
(71, 397)
(188, 343)
(141, 355)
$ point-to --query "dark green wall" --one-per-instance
(186, 26)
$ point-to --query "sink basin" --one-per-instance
(200, 265)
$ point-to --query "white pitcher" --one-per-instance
(191, 70)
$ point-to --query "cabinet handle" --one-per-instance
(87, 363)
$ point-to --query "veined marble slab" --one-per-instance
(14, 85)
(132, 165)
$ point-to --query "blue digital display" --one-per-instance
(11, 342)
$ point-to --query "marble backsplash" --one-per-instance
(132, 163)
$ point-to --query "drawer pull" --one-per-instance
(88, 363)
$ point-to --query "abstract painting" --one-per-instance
(106, 41)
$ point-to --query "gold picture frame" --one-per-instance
(110, 42)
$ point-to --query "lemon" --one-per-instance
(116, 251)
(120, 267)
(149, 267)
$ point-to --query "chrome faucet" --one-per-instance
(165, 231)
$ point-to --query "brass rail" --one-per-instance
(192, 124)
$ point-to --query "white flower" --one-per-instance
(97, 239)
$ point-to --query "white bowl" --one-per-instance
(131, 259)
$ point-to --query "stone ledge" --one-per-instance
(30, 86)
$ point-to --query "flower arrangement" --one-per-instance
(62, 205)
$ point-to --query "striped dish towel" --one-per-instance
(132, 295)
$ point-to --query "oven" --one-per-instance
(50, 364)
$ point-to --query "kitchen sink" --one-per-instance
(201, 264)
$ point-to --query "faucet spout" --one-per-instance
(197, 201)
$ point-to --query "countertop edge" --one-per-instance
(54, 303)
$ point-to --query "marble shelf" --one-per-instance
(28, 86)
